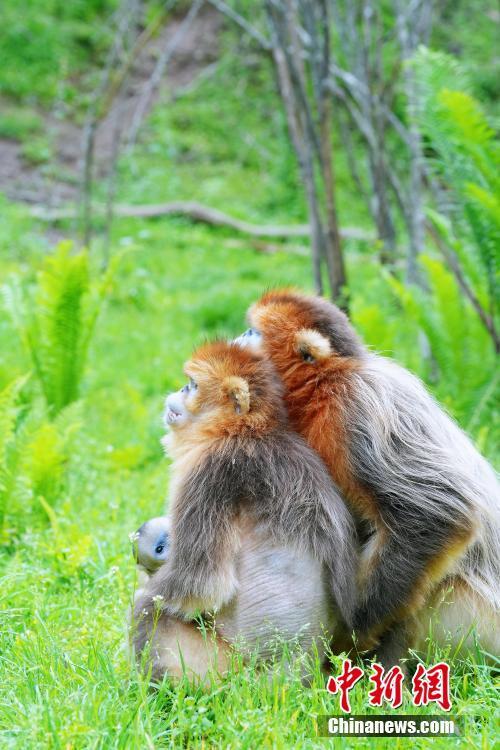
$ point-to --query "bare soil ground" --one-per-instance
(57, 182)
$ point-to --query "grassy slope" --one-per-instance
(65, 680)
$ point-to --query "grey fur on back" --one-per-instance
(421, 465)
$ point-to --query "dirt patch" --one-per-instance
(56, 183)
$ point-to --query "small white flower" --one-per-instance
(158, 599)
(133, 536)
(113, 570)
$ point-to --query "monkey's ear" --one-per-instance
(238, 391)
(312, 345)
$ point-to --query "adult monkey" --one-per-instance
(431, 502)
(237, 465)
(283, 592)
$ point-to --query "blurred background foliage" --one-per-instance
(87, 354)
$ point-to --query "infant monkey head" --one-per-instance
(151, 543)
(228, 387)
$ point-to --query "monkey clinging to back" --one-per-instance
(404, 466)
(236, 460)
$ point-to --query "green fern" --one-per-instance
(56, 322)
(466, 161)
(34, 453)
(8, 416)
(457, 340)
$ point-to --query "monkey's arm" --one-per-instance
(199, 573)
(329, 533)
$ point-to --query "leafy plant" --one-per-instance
(465, 158)
(8, 416)
(458, 342)
(19, 123)
(46, 43)
(56, 321)
(33, 457)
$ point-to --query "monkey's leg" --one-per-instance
(402, 574)
(174, 648)
(394, 643)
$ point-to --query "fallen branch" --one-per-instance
(201, 213)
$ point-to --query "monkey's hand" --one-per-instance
(185, 595)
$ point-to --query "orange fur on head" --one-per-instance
(237, 390)
(317, 382)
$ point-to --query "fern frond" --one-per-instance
(8, 416)
(456, 336)
(466, 158)
(8, 413)
(62, 285)
(56, 323)
(465, 117)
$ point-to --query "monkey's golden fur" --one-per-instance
(235, 458)
(429, 500)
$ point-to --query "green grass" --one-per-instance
(83, 481)
(19, 123)
(66, 581)
(45, 46)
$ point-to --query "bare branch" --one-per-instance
(454, 264)
(408, 40)
(242, 22)
(126, 15)
(303, 153)
(162, 62)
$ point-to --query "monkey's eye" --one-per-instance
(191, 386)
(307, 356)
(159, 549)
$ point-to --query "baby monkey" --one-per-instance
(282, 599)
(152, 543)
(236, 462)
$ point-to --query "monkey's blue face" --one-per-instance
(153, 543)
(176, 412)
(160, 551)
(251, 339)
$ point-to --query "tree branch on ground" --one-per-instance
(204, 214)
